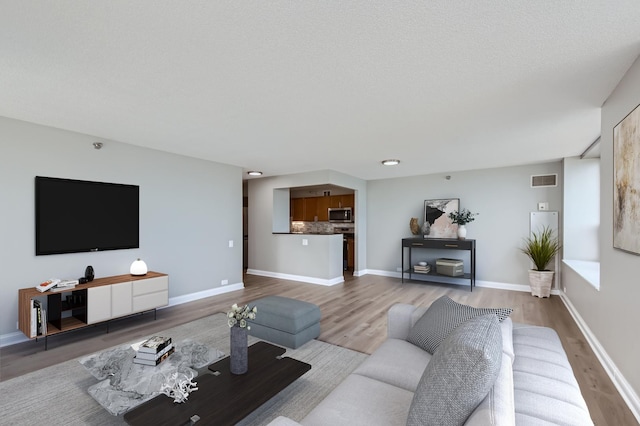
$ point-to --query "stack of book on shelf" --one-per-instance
(153, 351)
(421, 269)
(38, 319)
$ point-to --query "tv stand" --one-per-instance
(95, 302)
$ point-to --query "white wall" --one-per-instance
(189, 210)
(612, 314)
(502, 197)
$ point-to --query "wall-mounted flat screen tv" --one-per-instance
(74, 216)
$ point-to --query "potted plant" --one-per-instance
(461, 218)
(541, 247)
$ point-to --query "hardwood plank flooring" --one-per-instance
(353, 316)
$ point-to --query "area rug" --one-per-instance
(59, 394)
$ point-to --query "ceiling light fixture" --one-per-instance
(390, 162)
(254, 173)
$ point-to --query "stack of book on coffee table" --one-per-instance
(153, 351)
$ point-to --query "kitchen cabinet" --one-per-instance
(342, 201)
(310, 209)
(324, 203)
(297, 209)
(351, 253)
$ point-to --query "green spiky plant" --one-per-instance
(540, 247)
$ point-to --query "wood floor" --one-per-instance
(353, 316)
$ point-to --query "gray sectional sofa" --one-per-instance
(534, 383)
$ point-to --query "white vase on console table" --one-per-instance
(462, 232)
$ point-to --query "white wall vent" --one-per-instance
(540, 181)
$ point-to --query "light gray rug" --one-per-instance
(59, 394)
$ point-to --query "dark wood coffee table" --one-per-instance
(223, 398)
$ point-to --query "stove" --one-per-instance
(348, 231)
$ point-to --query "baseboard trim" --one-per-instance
(302, 278)
(179, 300)
(479, 283)
(379, 272)
(12, 338)
(19, 337)
(625, 389)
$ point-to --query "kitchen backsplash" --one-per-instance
(315, 227)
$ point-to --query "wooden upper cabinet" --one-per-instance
(348, 201)
(297, 209)
(323, 208)
(310, 209)
(342, 201)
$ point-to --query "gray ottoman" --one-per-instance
(284, 321)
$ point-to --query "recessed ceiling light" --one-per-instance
(390, 162)
(254, 173)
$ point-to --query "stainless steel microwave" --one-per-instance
(342, 214)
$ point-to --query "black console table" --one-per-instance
(438, 244)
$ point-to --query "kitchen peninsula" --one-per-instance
(310, 251)
(315, 257)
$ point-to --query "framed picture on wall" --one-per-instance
(626, 183)
(436, 218)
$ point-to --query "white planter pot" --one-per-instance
(540, 282)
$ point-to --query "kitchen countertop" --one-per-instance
(311, 233)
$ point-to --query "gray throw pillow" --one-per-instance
(459, 375)
(442, 317)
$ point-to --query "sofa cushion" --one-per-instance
(506, 326)
(361, 401)
(498, 407)
(396, 362)
(442, 317)
(545, 389)
(460, 374)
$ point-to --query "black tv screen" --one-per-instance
(75, 216)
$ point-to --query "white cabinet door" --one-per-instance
(121, 299)
(98, 304)
(150, 293)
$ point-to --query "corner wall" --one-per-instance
(189, 210)
(502, 197)
(611, 314)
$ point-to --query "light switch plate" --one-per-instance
(305, 242)
(230, 243)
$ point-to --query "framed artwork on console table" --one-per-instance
(626, 183)
(436, 218)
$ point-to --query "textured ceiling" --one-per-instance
(289, 86)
